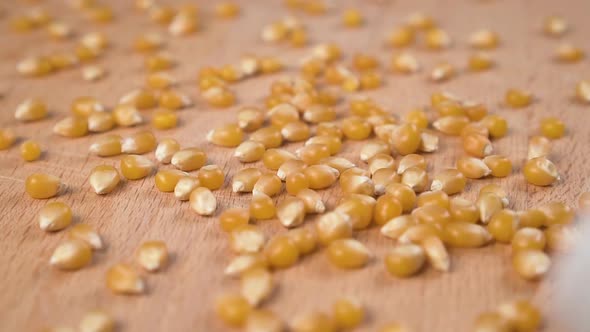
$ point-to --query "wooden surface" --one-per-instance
(35, 295)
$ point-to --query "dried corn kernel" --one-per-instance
(386, 208)
(552, 127)
(71, 127)
(87, 234)
(534, 218)
(332, 226)
(568, 53)
(35, 67)
(220, 97)
(352, 18)
(152, 255)
(97, 321)
(404, 194)
(539, 146)
(7, 138)
(473, 168)
(480, 62)
(281, 252)
(263, 320)
(184, 187)
(405, 63)
(560, 238)
(189, 159)
(269, 136)
(450, 181)
(140, 143)
(416, 178)
(122, 279)
(100, 122)
(160, 80)
(499, 165)
(488, 205)
(463, 210)
(397, 226)
(31, 110)
(246, 239)
(436, 253)
(203, 202)
(522, 315)
(348, 313)
(104, 179)
(233, 218)
(462, 234)
(437, 39)
(436, 197)
(106, 146)
(291, 212)
(262, 207)
(244, 263)
(356, 128)
(320, 176)
(400, 37)
(348, 253)
(531, 264)
(405, 260)
(256, 285)
(557, 213)
(528, 238)
(484, 39)
(477, 145)
(158, 62)
(492, 321)
(148, 42)
(141, 99)
(72, 254)
(135, 167)
(245, 179)
(55, 216)
(30, 150)
(405, 139)
(212, 177)
(451, 124)
(127, 116)
(503, 225)
(540, 171)
(167, 179)
(42, 186)
(555, 26)
(497, 125)
(442, 72)
(173, 100)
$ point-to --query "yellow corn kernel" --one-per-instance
(295, 182)
(103, 179)
(212, 177)
(383, 177)
(268, 184)
(356, 128)
(436, 197)
(97, 321)
(282, 114)
(135, 167)
(484, 39)
(405, 139)
(463, 210)
(497, 125)
(534, 218)
(30, 150)
(166, 150)
(557, 213)
(140, 143)
(312, 201)
(488, 205)
(152, 255)
(100, 122)
(417, 117)
(291, 212)
(539, 146)
(332, 226)
(164, 119)
(256, 285)
(451, 124)
(329, 129)
(220, 97)
(492, 321)
(35, 67)
(262, 207)
(405, 260)
(71, 127)
(450, 181)
(568, 53)
(437, 39)
(416, 178)
(269, 136)
(233, 218)
(358, 208)
(500, 166)
(531, 264)
(203, 202)
(288, 167)
(320, 176)
(83, 53)
(245, 262)
(420, 21)
(281, 252)
(477, 145)
(122, 279)
(87, 234)
(31, 110)
(333, 143)
(246, 239)
(184, 187)
(59, 60)
(42, 186)
(480, 62)
(173, 100)
(404, 194)
(158, 62)
(503, 225)
(127, 115)
(381, 161)
(245, 179)
(411, 160)
(517, 98)
(141, 99)
(583, 91)
(522, 315)
(348, 313)
(55, 216)
(397, 226)
(183, 24)
(528, 238)
(352, 18)
(373, 148)
(7, 138)
(442, 72)
(555, 26)
(436, 253)
(189, 159)
(370, 80)
(386, 208)
(106, 146)
(540, 171)
(148, 42)
(305, 239)
(462, 234)
(400, 37)
(270, 65)
(432, 214)
(312, 321)
(312, 154)
(92, 73)
(274, 158)
(348, 253)
(160, 80)
(167, 179)
(552, 127)
(249, 151)
(250, 118)
(405, 63)
(473, 168)
(72, 254)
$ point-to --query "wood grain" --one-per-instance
(34, 295)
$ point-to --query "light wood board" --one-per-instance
(34, 295)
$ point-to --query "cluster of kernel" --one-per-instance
(288, 30)
(213, 82)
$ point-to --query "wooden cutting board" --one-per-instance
(35, 295)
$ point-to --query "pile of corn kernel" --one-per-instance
(391, 189)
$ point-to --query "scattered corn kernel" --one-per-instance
(31, 110)
(55, 216)
(104, 179)
(347, 313)
(484, 39)
(71, 127)
(127, 115)
(281, 252)
(552, 127)
(203, 202)
(135, 167)
(42, 186)
(540, 171)
(72, 254)
(122, 279)
(348, 253)
(152, 255)
(568, 53)
(245, 179)
(555, 26)
(189, 159)
(257, 285)
(87, 234)
(488, 205)
(531, 264)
